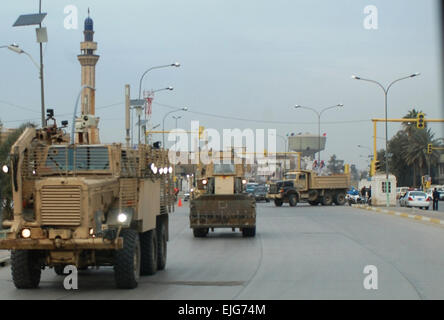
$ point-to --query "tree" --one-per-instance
(415, 152)
(410, 127)
(397, 163)
(354, 172)
(5, 179)
(334, 165)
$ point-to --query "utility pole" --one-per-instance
(42, 90)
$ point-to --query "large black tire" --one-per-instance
(127, 261)
(25, 268)
(340, 198)
(200, 232)
(148, 249)
(327, 200)
(58, 269)
(278, 202)
(161, 246)
(249, 232)
(293, 200)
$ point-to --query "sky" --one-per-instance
(253, 60)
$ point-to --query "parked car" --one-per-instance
(418, 199)
(400, 191)
(441, 194)
(186, 196)
(260, 193)
(250, 187)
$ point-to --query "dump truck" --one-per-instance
(308, 186)
(219, 199)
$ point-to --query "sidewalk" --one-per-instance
(4, 257)
(436, 217)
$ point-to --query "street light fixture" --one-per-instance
(175, 64)
(368, 148)
(42, 37)
(139, 114)
(163, 122)
(386, 90)
(319, 113)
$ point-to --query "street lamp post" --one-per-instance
(176, 64)
(163, 122)
(319, 114)
(285, 150)
(176, 118)
(139, 114)
(386, 90)
(368, 148)
(15, 48)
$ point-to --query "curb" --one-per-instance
(400, 214)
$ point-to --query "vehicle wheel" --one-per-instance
(149, 253)
(127, 261)
(200, 232)
(25, 268)
(327, 199)
(340, 199)
(293, 200)
(249, 232)
(58, 269)
(161, 247)
(278, 202)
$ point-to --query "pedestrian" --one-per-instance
(363, 194)
(435, 199)
(369, 195)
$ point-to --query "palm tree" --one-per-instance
(415, 151)
(410, 127)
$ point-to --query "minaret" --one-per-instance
(88, 60)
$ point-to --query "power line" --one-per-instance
(255, 120)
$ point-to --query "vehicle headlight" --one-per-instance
(26, 233)
(192, 190)
(161, 170)
(165, 170)
(204, 181)
(122, 217)
(170, 169)
(153, 168)
(5, 168)
(244, 181)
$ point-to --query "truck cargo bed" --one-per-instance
(233, 210)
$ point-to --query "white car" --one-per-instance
(416, 199)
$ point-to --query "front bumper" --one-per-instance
(59, 244)
(274, 196)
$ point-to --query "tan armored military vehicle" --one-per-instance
(86, 205)
(79, 202)
(219, 200)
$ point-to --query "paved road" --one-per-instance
(298, 253)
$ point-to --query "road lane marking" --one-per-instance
(401, 214)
